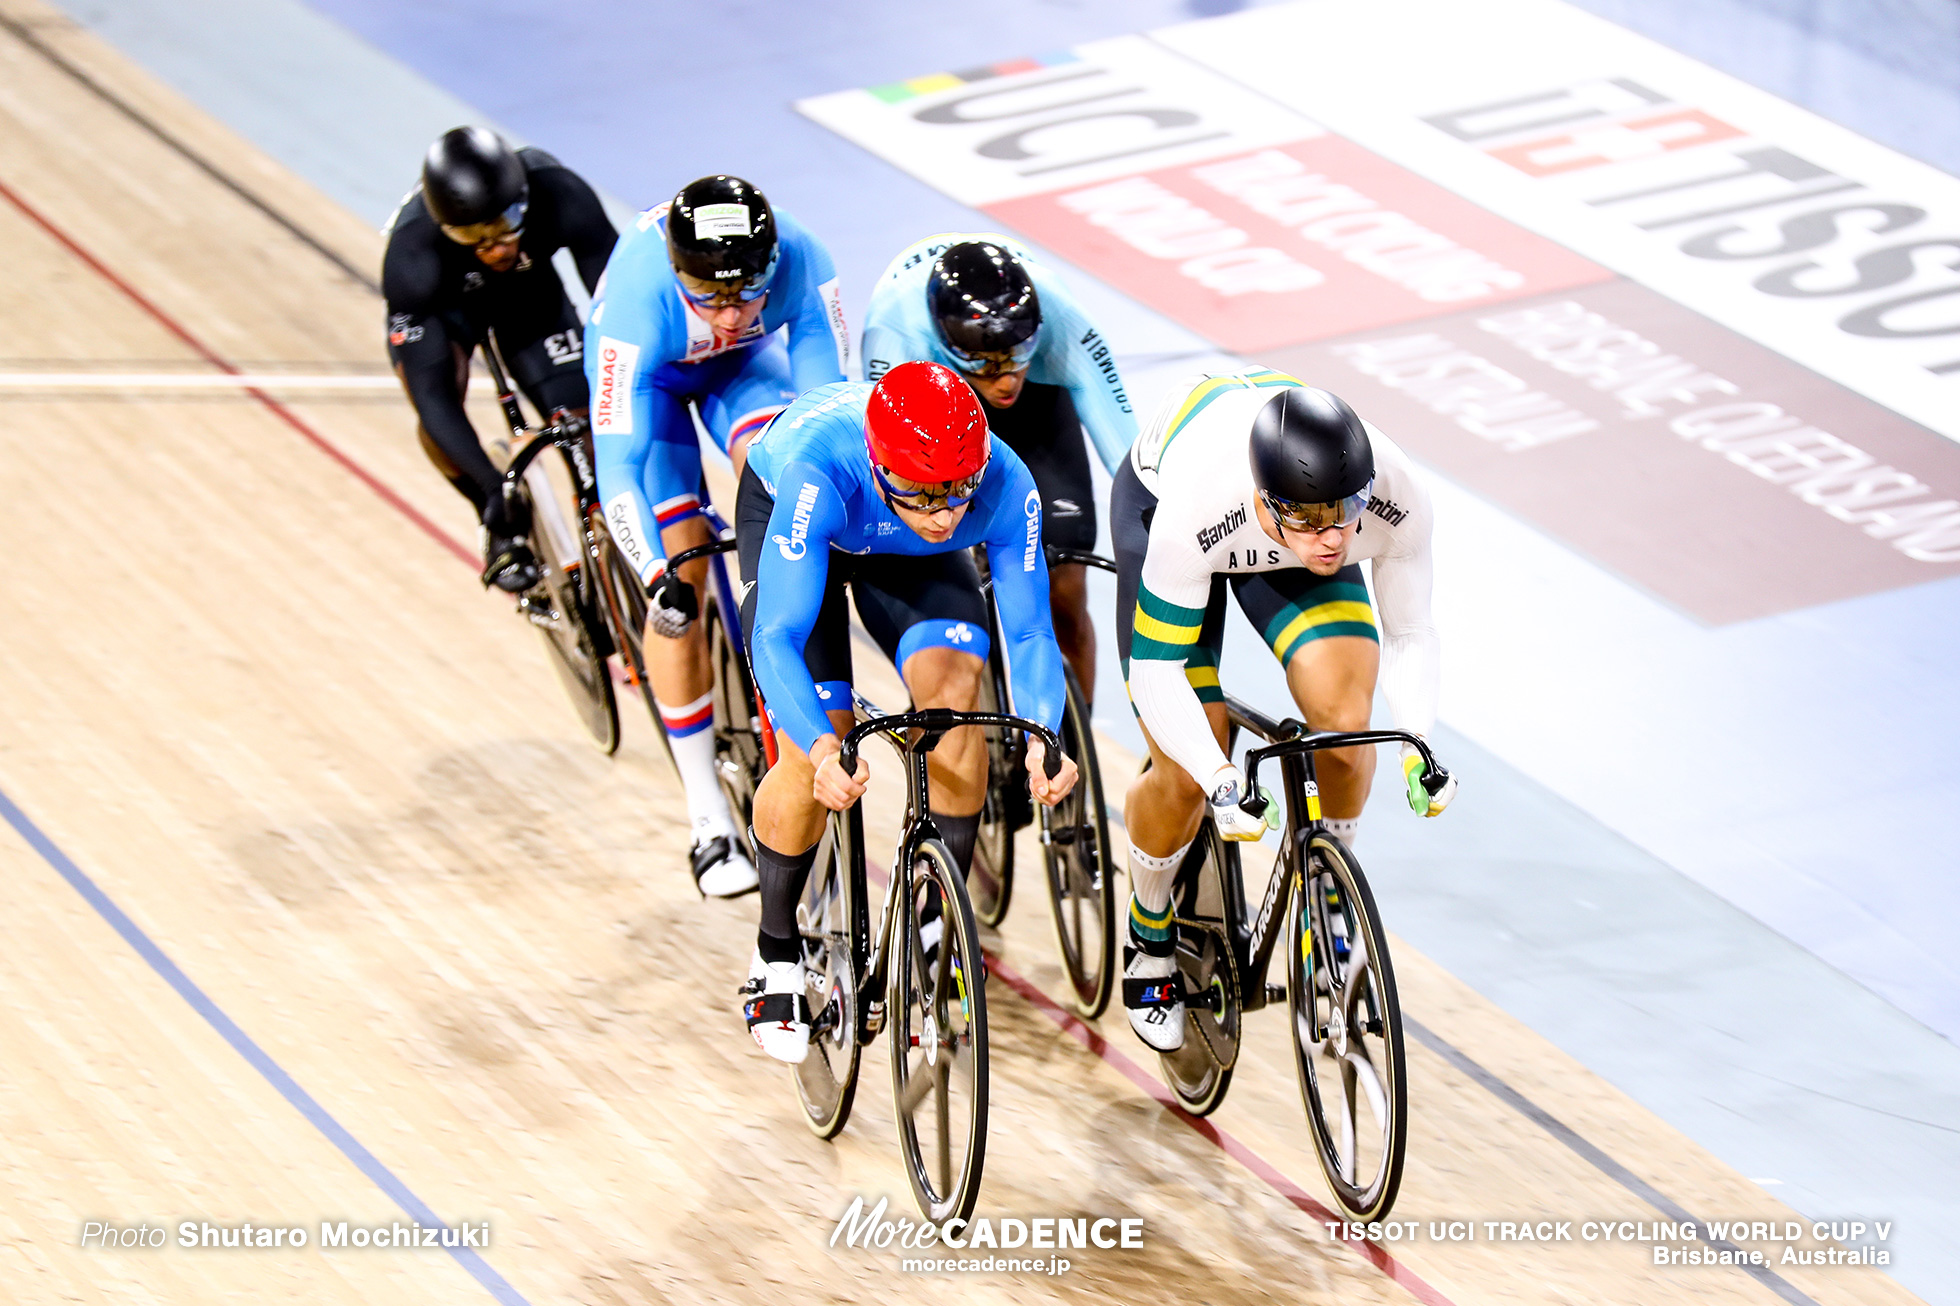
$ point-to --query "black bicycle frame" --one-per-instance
(1293, 745)
(932, 725)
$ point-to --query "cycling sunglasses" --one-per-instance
(994, 362)
(1313, 518)
(728, 295)
(950, 494)
(505, 225)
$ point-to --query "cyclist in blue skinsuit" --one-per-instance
(885, 488)
(982, 305)
(718, 300)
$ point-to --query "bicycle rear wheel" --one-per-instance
(991, 878)
(1200, 1072)
(561, 607)
(938, 1024)
(1347, 1031)
(829, 919)
(1075, 851)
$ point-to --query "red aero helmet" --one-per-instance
(923, 423)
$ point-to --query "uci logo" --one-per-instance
(792, 549)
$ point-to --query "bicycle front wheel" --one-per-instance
(1347, 1030)
(1081, 885)
(560, 606)
(826, 1079)
(937, 1000)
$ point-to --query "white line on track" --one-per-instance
(190, 381)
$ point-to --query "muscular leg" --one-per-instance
(1165, 805)
(788, 817)
(945, 677)
(450, 472)
(1068, 599)
(1333, 681)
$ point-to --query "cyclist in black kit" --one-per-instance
(469, 251)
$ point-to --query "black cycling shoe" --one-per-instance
(509, 564)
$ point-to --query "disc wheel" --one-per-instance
(567, 619)
(937, 1002)
(1076, 854)
(826, 1079)
(1200, 1072)
(1006, 809)
(1347, 1031)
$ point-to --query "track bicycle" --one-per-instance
(1077, 860)
(1340, 985)
(931, 998)
(745, 742)
(566, 604)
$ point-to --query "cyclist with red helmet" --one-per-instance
(883, 488)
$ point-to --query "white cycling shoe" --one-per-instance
(721, 869)
(776, 1004)
(1153, 993)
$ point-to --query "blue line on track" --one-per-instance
(242, 1043)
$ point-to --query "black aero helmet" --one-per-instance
(1309, 448)
(720, 230)
(983, 302)
(472, 177)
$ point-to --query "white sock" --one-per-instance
(1345, 828)
(1150, 877)
(694, 754)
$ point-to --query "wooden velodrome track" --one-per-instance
(320, 907)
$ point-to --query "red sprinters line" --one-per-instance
(211, 356)
(1225, 1142)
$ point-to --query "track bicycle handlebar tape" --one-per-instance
(1434, 778)
(1051, 758)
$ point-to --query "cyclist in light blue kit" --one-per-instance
(981, 304)
(885, 488)
(713, 299)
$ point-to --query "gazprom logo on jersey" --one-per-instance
(612, 390)
(1032, 554)
(795, 545)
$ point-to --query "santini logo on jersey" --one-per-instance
(1388, 510)
(1209, 537)
(612, 396)
(794, 547)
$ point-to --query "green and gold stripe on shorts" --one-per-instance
(1163, 631)
(1337, 609)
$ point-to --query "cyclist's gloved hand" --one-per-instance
(671, 606)
(1421, 801)
(506, 518)
(1227, 790)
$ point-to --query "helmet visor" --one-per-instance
(993, 362)
(1313, 518)
(505, 225)
(725, 294)
(928, 498)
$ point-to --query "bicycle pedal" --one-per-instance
(1209, 999)
(1276, 993)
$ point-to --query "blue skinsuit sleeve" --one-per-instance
(620, 447)
(1089, 370)
(1020, 571)
(815, 341)
(789, 595)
